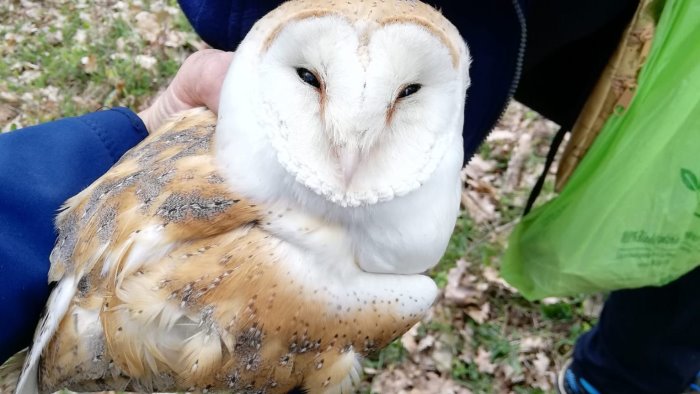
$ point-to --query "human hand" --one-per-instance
(197, 83)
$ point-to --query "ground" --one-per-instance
(63, 58)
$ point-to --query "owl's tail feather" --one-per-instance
(10, 372)
(56, 308)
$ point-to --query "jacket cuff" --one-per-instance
(119, 129)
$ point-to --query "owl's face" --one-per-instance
(357, 108)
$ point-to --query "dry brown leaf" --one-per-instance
(493, 276)
(480, 208)
(7, 113)
(477, 167)
(89, 63)
(529, 344)
(516, 164)
(175, 39)
(81, 36)
(460, 289)
(29, 76)
(593, 306)
(479, 313)
(541, 363)
(446, 386)
(146, 61)
(485, 188)
(50, 93)
(9, 97)
(551, 300)
(511, 375)
(443, 351)
(499, 135)
(370, 371)
(442, 356)
(483, 361)
(55, 37)
(408, 340)
(408, 379)
(21, 66)
(147, 25)
(426, 343)
(391, 381)
(543, 378)
(467, 350)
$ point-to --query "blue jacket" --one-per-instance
(42, 166)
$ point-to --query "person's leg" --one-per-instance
(647, 340)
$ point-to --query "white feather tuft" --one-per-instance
(56, 308)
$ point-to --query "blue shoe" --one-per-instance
(569, 383)
(695, 387)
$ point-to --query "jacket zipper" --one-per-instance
(519, 60)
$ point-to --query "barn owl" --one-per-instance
(272, 247)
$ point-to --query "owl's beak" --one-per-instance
(348, 158)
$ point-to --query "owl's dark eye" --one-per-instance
(308, 77)
(409, 90)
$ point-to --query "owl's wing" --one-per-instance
(163, 193)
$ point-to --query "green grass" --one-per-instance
(111, 43)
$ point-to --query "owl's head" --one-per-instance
(357, 101)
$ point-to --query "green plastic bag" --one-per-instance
(630, 214)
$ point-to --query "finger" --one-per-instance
(200, 78)
(215, 69)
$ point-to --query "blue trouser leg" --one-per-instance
(647, 340)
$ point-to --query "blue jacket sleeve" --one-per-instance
(41, 167)
(223, 23)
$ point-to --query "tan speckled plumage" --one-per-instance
(381, 12)
(252, 325)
